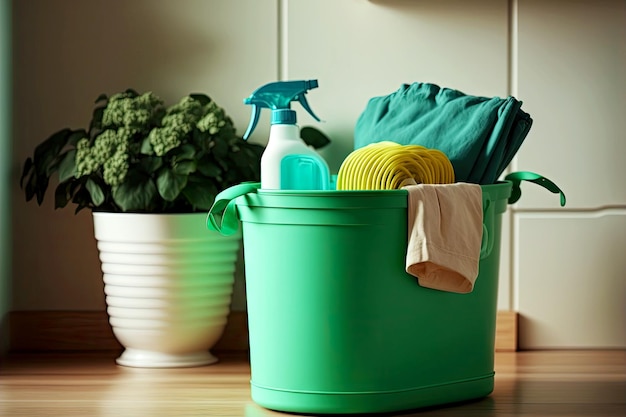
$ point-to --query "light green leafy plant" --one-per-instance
(139, 156)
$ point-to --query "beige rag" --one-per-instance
(445, 234)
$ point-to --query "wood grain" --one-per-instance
(535, 383)
(506, 331)
(90, 330)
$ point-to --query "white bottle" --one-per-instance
(287, 162)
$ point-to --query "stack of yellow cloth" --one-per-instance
(389, 165)
(444, 218)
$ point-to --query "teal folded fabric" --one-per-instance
(480, 135)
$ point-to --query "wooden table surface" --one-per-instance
(535, 383)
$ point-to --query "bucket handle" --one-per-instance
(517, 177)
(222, 216)
(486, 245)
(488, 210)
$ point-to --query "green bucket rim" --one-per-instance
(350, 199)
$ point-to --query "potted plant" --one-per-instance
(149, 174)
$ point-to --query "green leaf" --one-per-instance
(202, 140)
(170, 184)
(185, 151)
(150, 164)
(82, 198)
(42, 186)
(202, 98)
(146, 147)
(28, 166)
(67, 167)
(254, 154)
(96, 119)
(137, 193)
(220, 150)
(77, 135)
(200, 194)
(208, 168)
(46, 152)
(62, 194)
(31, 186)
(101, 97)
(184, 167)
(97, 196)
(313, 137)
(240, 159)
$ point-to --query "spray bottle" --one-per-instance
(287, 162)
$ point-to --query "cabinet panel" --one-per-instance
(571, 66)
(570, 273)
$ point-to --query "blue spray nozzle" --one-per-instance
(278, 96)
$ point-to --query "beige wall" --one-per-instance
(564, 59)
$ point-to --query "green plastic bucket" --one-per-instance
(337, 325)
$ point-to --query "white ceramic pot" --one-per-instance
(168, 285)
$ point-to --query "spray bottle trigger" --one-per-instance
(305, 104)
(254, 119)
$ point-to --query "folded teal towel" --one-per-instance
(480, 135)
